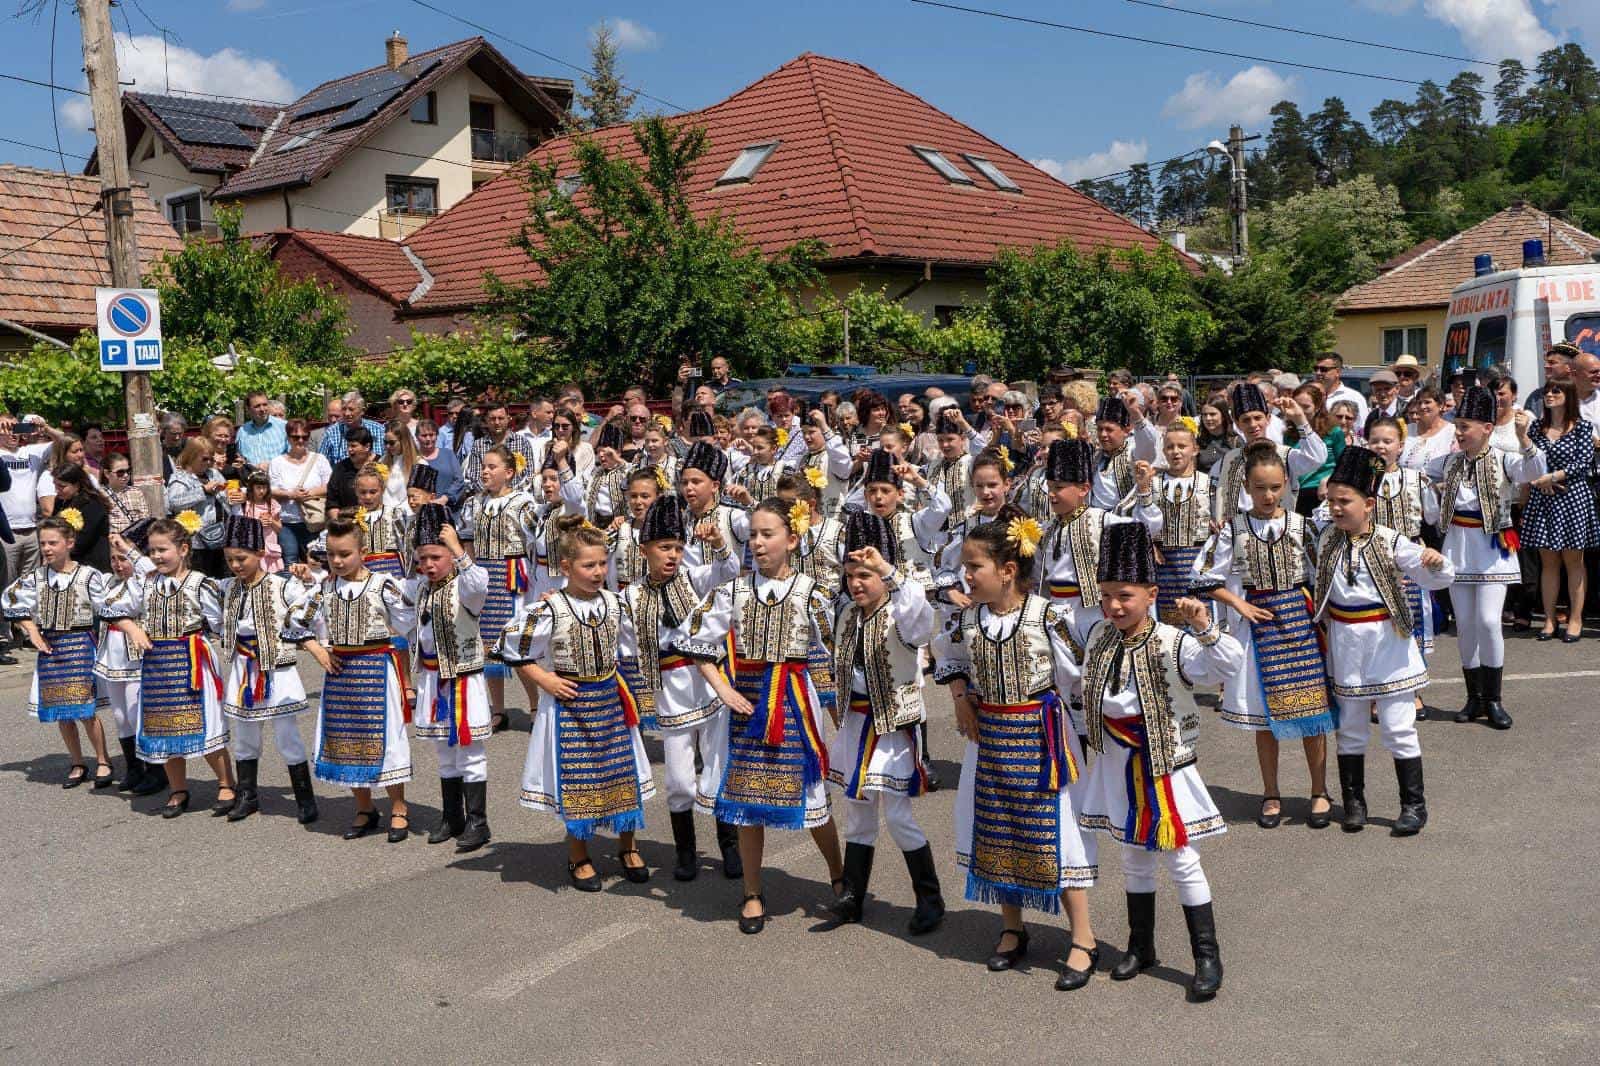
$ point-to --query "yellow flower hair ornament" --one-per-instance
(665, 422)
(519, 462)
(382, 469)
(662, 481)
(905, 427)
(1026, 535)
(73, 518)
(189, 521)
(783, 437)
(799, 518)
(1005, 461)
(816, 477)
(361, 517)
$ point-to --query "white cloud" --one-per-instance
(1579, 18)
(1244, 98)
(1120, 156)
(246, 5)
(1496, 29)
(634, 36)
(226, 72)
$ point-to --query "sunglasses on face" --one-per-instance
(299, 436)
(405, 402)
(119, 471)
(638, 418)
(1326, 369)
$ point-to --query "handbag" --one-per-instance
(314, 512)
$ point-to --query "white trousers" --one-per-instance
(1397, 724)
(1183, 867)
(124, 697)
(1478, 629)
(470, 762)
(677, 755)
(861, 820)
(247, 739)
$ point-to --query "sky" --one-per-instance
(1078, 105)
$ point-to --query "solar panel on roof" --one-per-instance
(343, 95)
(201, 121)
(364, 108)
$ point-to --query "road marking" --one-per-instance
(521, 980)
(1523, 677)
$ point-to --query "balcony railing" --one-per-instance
(398, 225)
(499, 146)
(196, 227)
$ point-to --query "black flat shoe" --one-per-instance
(1571, 638)
(1071, 979)
(583, 884)
(172, 810)
(6, 658)
(397, 833)
(640, 874)
(1543, 636)
(1270, 821)
(1320, 819)
(750, 925)
(76, 775)
(366, 822)
(224, 806)
(500, 723)
(104, 780)
(1005, 960)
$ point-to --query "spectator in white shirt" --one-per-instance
(25, 462)
(1330, 365)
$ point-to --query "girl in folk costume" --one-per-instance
(719, 530)
(1405, 499)
(180, 691)
(879, 636)
(1373, 656)
(758, 478)
(263, 683)
(952, 471)
(817, 556)
(116, 672)
(777, 766)
(643, 487)
(1183, 500)
(1008, 661)
(348, 626)
(1251, 419)
(1144, 790)
(383, 524)
(604, 497)
(56, 606)
(657, 452)
(1122, 444)
(453, 702)
(560, 493)
(1257, 565)
(1479, 541)
(827, 463)
(681, 682)
(586, 763)
(989, 489)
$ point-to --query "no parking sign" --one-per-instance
(130, 329)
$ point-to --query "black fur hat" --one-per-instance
(1126, 555)
(700, 425)
(1358, 467)
(1070, 461)
(1248, 397)
(1113, 409)
(424, 477)
(1477, 405)
(667, 519)
(863, 529)
(880, 468)
(240, 531)
(949, 422)
(706, 458)
(610, 437)
(431, 518)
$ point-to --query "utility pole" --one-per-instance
(1237, 202)
(122, 246)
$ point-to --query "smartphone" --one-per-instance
(1027, 425)
(695, 372)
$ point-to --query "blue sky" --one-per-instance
(1080, 105)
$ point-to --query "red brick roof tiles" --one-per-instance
(380, 264)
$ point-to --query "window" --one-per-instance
(748, 161)
(425, 109)
(298, 140)
(1405, 340)
(568, 185)
(412, 196)
(937, 161)
(184, 211)
(1489, 342)
(1584, 331)
(1455, 348)
(993, 173)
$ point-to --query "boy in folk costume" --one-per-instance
(263, 682)
(1372, 656)
(879, 636)
(1251, 418)
(605, 496)
(1144, 789)
(827, 463)
(1121, 445)
(452, 699)
(719, 530)
(1404, 501)
(1183, 502)
(919, 530)
(116, 672)
(952, 471)
(1480, 542)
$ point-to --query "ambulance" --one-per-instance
(1512, 316)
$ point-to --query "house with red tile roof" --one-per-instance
(1402, 310)
(53, 252)
(376, 153)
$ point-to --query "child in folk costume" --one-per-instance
(989, 489)
(348, 626)
(560, 492)
(718, 528)
(116, 672)
(56, 606)
(827, 463)
(1480, 542)
(1144, 789)
(952, 471)
(1031, 491)
(263, 682)
(1405, 500)
(680, 680)
(817, 556)
(1251, 419)
(657, 452)
(1257, 565)
(757, 477)
(643, 487)
(879, 636)
(604, 497)
(452, 700)
(384, 525)
(180, 690)
(1008, 662)
(1122, 444)
(919, 531)
(1373, 657)
(776, 770)
(1183, 499)
(586, 763)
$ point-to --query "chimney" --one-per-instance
(395, 51)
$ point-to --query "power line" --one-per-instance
(1151, 40)
(51, 84)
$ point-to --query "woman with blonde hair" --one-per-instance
(400, 456)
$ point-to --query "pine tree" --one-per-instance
(608, 100)
(1339, 140)
(1510, 101)
(1289, 149)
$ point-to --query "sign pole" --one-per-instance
(122, 246)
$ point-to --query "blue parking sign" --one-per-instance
(147, 355)
(114, 355)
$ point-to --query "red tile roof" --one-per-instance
(843, 172)
(1426, 278)
(381, 265)
(201, 158)
(50, 262)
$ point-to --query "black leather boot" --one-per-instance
(452, 815)
(931, 777)
(1207, 956)
(304, 798)
(1141, 953)
(1473, 708)
(686, 864)
(132, 768)
(925, 883)
(152, 779)
(246, 800)
(1489, 678)
(857, 872)
(728, 844)
(475, 831)
(1413, 808)
(1353, 790)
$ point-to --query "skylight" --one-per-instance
(298, 140)
(947, 169)
(568, 185)
(748, 161)
(993, 173)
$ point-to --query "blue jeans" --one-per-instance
(294, 538)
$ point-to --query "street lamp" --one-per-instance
(1233, 152)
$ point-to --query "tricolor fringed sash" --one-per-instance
(1419, 621)
(1153, 821)
(386, 563)
(1506, 542)
(777, 754)
(516, 579)
(1290, 665)
(643, 693)
(449, 703)
(499, 607)
(1357, 614)
(1063, 590)
(1173, 575)
(867, 747)
(1023, 763)
(66, 676)
(255, 687)
(597, 778)
(172, 718)
(355, 715)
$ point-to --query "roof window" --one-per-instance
(948, 170)
(567, 186)
(748, 161)
(993, 173)
(298, 140)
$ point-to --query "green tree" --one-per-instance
(1391, 120)
(1510, 99)
(1290, 152)
(1334, 238)
(62, 385)
(629, 281)
(1339, 140)
(608, 101)
(1262, 319)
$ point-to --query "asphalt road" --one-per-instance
(124, 937)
